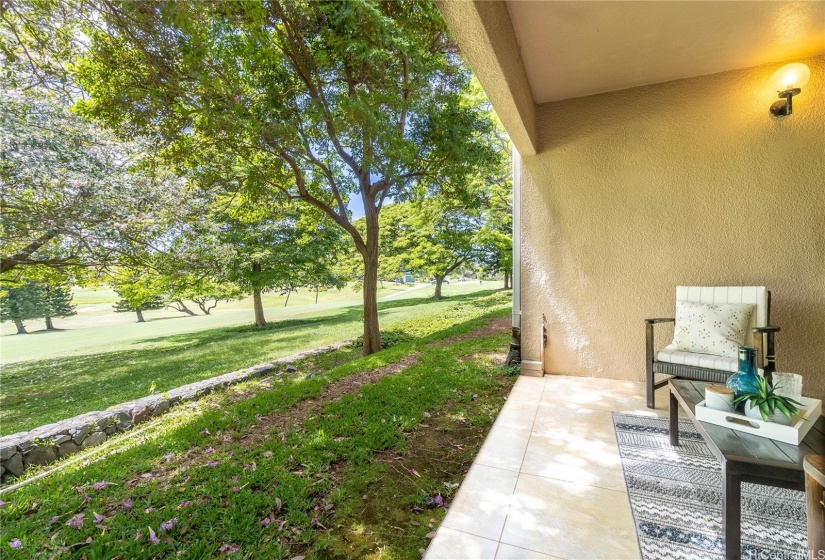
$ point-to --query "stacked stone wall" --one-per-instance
(50, 442)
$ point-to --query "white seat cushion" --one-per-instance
(708, 361)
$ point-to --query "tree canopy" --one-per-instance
(72, 195)
(295, 107)
(431, 237)
(317, 101)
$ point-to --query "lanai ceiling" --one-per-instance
(577, 48)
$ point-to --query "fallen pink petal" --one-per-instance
(54, 519)
(213, 463)
(76, 521)
(153, 538)
(149, 510)
(166, 525)
(184, 504)
(98, 518)
(228, 548)
(99, 485)
(266, 521)
(15, 543)
(127, 504)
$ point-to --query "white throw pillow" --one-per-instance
(717, 329)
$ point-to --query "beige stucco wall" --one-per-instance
(686, 182)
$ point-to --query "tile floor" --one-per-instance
(548, 482)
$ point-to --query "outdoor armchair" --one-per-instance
(671, 362)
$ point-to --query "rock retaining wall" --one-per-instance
(50, 442)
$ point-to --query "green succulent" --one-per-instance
(768, 401)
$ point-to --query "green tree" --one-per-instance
(21, 303)
(430, 237)
(495, 238)
(72, 194)
(138, 292)
(296, 250)
(322, 100)
(58, 303)
(204, 292)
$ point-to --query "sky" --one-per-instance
(356, 206)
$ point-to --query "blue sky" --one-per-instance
(356, 206)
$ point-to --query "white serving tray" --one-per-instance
(809, 413)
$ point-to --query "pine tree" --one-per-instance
(58, 302)
(153, 302)
(21, 303)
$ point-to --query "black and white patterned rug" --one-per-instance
(676, 498)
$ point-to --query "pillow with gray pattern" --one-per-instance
(706, 328)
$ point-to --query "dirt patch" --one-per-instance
(486, 358)
(278, 424)
(397, 513)
(450, 444)
(294, 417)
(492, 327)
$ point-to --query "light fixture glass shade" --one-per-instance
(794, 75)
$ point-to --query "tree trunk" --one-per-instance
(21, 329)
(260, 321)
(288, 293)
(49, 324)
(316, 295)
(506, 279)
(438, 281)
(202, 306)
(182, 307)
(140, 316)
(372, 332)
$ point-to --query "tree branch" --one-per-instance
(22, 256)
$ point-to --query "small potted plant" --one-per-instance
(765, 403)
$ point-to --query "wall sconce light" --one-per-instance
(788, 81)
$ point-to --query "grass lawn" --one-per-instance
(97, 328)
(358, 462)
(37, 392)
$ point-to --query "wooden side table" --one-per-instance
(744, 457)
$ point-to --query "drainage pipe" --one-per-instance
(514, 356)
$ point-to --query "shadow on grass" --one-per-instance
(42, 331)
(296, 469)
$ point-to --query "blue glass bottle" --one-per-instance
(746, 380)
